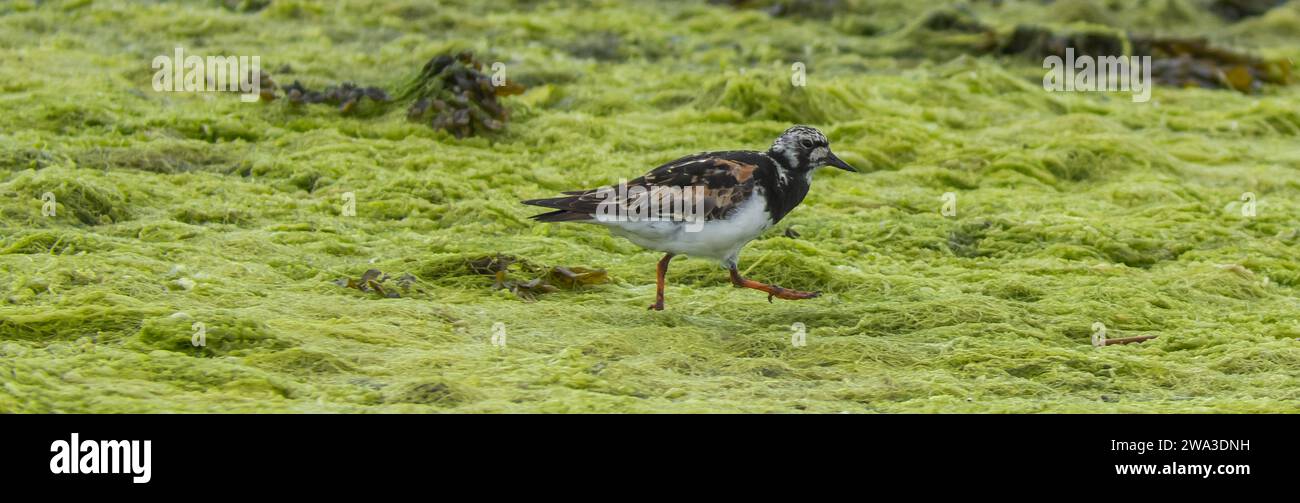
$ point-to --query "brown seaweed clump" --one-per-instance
(454, 94)
(451, 92)
(1190, 62)
(813, 9)
(1039, 42)
(345, 96)
(1175, 62)
(546, 280)
(373, 281)
(267, 86)
(1234, 10)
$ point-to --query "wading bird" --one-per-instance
(736, 196)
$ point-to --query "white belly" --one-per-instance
(718, 239)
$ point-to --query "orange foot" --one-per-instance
(787, 294)
(772, 290)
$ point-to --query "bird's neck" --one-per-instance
(787, 186)
(786, 159)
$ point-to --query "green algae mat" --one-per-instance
(195, 252)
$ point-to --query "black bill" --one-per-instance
(835, 161)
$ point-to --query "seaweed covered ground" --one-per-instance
(177, 213)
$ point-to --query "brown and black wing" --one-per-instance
(722, 179)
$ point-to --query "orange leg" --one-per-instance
(772, 290)
(659, 293)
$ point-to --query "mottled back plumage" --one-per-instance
(725, 178)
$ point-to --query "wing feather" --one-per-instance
(722, 180)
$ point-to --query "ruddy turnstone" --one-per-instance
(737, 195)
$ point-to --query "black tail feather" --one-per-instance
(561, 216)
(564, 207)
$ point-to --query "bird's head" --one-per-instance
(804, 149)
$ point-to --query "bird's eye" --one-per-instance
(806, 143)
